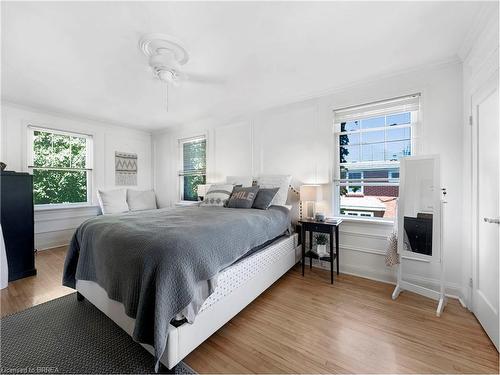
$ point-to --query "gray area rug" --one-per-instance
(65, 336)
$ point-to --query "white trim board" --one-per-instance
(54, 228)
(388, 275)
(46, 241)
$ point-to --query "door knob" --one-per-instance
(492, 220)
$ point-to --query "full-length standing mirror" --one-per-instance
(419, 208)
(419, 221)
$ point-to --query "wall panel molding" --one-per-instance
(55, 227)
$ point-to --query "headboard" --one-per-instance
(294, 200)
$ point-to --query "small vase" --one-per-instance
(321, 249)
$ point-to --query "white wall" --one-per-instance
(298, 139)
(55, 227)
(481, 62)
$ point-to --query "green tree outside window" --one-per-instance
(59, 163)
(194, 157)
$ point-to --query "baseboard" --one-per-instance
(54, 247)
(50, 240)
(388, 276)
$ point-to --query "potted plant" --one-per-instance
(321, 241)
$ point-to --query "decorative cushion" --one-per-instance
(141, 200)
(217, 195)
(243, 197)
(264, 198)
(240, 180)
(113, 201)
(280, 181)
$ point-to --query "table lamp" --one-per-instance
(310, 194)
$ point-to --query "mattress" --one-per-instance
(242, 271)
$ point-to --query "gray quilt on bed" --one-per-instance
(157, 262)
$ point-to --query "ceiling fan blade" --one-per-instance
(203, 78)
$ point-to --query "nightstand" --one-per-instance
(330, 228)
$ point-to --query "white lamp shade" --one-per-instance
(310, 193)
(202, 190)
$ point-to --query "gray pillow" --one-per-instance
(264, 198)
(242, 197)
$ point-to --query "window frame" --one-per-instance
(89, 162)
(414, 126)
(180, 175)
(391, 178)
(351, 214)
(349, 185)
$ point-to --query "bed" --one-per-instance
(224, 258)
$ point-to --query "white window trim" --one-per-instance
(89, 162)
(358, 213)
(180, 181)
(415, 125)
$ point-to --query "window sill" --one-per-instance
(366, 221)
(187, 203)
(57, 207)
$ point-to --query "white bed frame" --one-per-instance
(183, 339)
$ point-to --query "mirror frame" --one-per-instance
(436, 217)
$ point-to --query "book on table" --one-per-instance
(333, 220)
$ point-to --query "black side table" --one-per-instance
(332, 229)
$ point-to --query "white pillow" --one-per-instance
(141, 200)
(113, 201)
(276, 180)
(244, 181)
(217, 195)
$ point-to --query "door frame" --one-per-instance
(477, 96)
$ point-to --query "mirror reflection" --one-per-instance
(418, 208)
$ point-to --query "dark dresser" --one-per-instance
(16, 199)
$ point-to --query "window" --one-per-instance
(394, 176)
(352, 177)
(60, 163)
(370, 140)
(193, 155)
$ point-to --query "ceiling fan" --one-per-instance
(166, 57)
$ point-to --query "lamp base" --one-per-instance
(310, 209)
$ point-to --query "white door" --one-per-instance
(485, 291)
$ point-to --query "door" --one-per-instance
(486, 158)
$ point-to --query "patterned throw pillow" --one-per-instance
(264, 198)
(217, 196)
(243, 197)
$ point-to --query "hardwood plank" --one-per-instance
(352, 326)
(45, 286)
(306, 325)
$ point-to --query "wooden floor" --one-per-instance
(306, 325)
(43, 287)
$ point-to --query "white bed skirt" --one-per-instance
(266, 266)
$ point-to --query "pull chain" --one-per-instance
(167, 96)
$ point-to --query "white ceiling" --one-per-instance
(83, 58)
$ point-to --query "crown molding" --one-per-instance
(208, 120)
(70, 115)
(482, 20)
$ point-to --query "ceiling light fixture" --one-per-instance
(166, 56)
